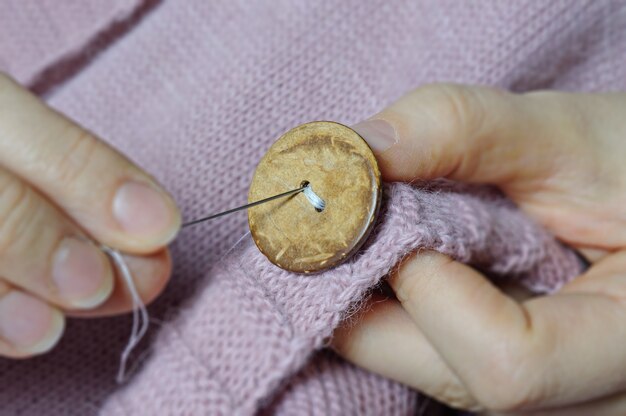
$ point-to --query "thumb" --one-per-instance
(472, 134)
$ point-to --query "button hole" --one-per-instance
(314, 199)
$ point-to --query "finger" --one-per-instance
(28, 326)
(150, 275)
(513, 356)
(608, 406)
(472, 134)
(546, 150)
(44, 253)
(593, 255)
(384, 340)
(116, 202)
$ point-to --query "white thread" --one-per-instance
(318, 203)
(234, 246)
(141, 320)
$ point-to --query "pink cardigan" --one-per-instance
(195, 92)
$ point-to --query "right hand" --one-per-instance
(63, 193)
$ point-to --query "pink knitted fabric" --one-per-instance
(36, 34)
(254, 324)
(196, 92)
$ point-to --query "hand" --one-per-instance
(63, 193)
(454, 335)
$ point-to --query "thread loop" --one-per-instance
(318, 203)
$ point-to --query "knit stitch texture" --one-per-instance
(254, 324)
(195, 92)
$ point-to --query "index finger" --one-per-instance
(110, 197)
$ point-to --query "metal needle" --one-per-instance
(262, 201)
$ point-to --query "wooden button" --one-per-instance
(342, 170)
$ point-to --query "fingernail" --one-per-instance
(29, 324)
(143, 211)
(379, 134)
(82, 273)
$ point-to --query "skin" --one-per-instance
(451, 333)
(447, 332)
(64, 193)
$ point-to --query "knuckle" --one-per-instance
(18, 211)
(79, 158)
(454, 394)
(513, 373)
(459, 115)
(459, 108)
(509, 382)
(428, 266)
(409, 291)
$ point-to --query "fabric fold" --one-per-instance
(196, 92)
(63, 29)
(254, 325)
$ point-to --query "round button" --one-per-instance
(341, 169)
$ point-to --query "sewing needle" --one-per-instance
(262, 201)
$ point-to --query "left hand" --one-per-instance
(451, 333)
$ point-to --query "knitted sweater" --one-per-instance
(195, 92)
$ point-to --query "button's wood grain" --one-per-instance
(342, 170)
